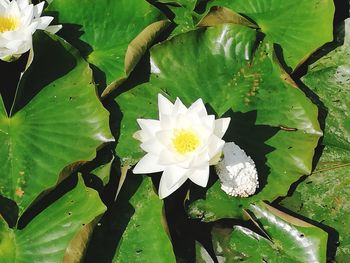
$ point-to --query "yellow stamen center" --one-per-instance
(8, 23)
(185, 141)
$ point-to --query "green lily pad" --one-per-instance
(287, 239)
(299, 27)
(190, 4)
(186, 17)
(56, 120)
(114, 34)
(47, 236)
(271, 119)
(144, 238)
(323, 196)
(329, 78)
(77, 248)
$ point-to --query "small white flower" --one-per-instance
(182, 144)
(237, 172)
(18, 21)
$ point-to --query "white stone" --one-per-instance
(237, 172)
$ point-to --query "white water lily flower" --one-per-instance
(182, 144)
(237, 172)
(18, 21)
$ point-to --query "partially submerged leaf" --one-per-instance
(289, 239)
(329, 78)
(186, 18)
(76, 249)
(190, 4)
(56, 120)
(144, 238)
(298, 27)
(108, 28)
(323, 196)
(47, 236)
(222, 15)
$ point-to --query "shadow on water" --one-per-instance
(9, 211)
(71, 33)
(53, 195)
(8, 84)
(107, 234)
(251, 137)
(56, 66)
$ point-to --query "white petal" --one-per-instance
(201, 159)
(164, 137)
(14, 44)
(198, 108)
(4, 4)
(167, 122)
(165, 191)
(148, 125)
(152, 146)
(141, 135)
(173, 174)
(43, 22)
(148, 164)
(206, 125)
(199, 176)
(179, 108)
(30, 29)
(167, 157)
(2, 9)
(13, 9)
(164, 105)
(221, 126)
(23, 3)
(38, 9)
(215, 146)
(27, 15)
(53, 29)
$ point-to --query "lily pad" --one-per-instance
(190, 4)
(47, 236)
(186, 17)
(114, 34)
(323, 196)
(329, 78)
(284, 239)
(56, 120)
(144, 238)
(271, 119)
(299, 27)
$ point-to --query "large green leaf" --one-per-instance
(190, 4)
(271, 119)
(287, 239)
(185, 16)
(46, 237)
(323, 196)
(56, 120)
(144, 238)
(110, 36)
(329, 78)
(299, 27)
